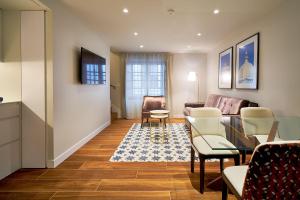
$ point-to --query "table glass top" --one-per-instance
(245, 134)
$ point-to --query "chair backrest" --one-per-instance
(257, 120)
(274, 172)
(209, 122)
(154, 103)
(205, 112)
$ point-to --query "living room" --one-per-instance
(168, 115)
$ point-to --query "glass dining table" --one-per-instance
(245, 134)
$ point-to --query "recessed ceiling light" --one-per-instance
(135, 33)
(216, 11)
(171, 11)
(199, 34)
(125, 10)
(141, 46)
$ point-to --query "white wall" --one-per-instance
(80, 111)
(182, 90)
(10, 65)
(279, 67)
(33, 89)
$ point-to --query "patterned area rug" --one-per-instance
(149, 145)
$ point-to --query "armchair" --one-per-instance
(152, 103)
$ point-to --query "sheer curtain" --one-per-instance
(145, 75)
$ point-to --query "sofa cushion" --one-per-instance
(212, 100)
(223, 105)
(231, 105)
(236, 105)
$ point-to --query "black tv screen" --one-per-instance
(93, 68)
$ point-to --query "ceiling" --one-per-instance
(161, 32)
(21, 5)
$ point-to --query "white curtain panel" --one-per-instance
(145, 75)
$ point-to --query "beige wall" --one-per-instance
(115, 80)
(49, 83)
(80, 111)
(1, 35)
(182, 90)
(279, 67)
(10, 65)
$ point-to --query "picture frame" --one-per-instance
(225, 68)
(247, 63)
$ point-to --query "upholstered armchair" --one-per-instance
(152, 103)
(272, 173)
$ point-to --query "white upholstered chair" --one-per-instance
(258, 122)
(211, 129)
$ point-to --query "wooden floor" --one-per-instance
(88, 174)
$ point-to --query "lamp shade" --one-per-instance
(192, 76)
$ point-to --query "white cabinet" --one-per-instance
(10, 138)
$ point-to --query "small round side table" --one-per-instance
(162, 116)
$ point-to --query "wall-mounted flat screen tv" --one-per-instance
(93, 68)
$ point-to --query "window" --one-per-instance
(145, 79)
(145, 75)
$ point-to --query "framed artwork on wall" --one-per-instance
(247, 61)
(225, 68)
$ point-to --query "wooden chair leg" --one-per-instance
(221, 164)
(192, 160)
(237, 160)
(224, 191)
(142, 123)
(202, 172)
(244, 152)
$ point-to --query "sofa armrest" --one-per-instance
(194, 105)
(252, 104)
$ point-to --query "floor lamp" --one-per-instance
(192, 76)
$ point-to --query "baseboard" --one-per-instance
(116, 109)
(59, 159)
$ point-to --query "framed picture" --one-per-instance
(246, 68)
(225, 69)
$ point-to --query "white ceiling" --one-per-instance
(21, 5)
(159, 31)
